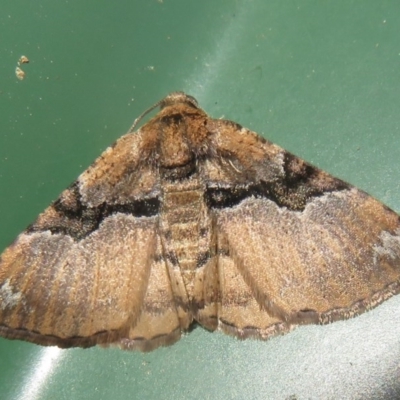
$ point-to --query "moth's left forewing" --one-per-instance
(78, 275)
(124, 171)
(56, 290)
(310, 247)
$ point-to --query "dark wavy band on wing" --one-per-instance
(70, 216)
(300, 184)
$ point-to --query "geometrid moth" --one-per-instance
(196, 219)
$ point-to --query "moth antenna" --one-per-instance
(172, 98)
(143, 114)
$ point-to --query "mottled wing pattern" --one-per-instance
(192, 218)
(79, 275)
(243, 311)
(158, 324)
(59, 291)
(296, 245)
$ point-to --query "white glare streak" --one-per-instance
(44, 365)
(213, 63)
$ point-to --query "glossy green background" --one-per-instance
(320, 78)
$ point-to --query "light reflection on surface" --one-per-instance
(209, 71)
(46, 361)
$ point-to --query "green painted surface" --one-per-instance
(321, 79)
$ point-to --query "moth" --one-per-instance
(194, 219)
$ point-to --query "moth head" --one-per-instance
(176, 98)
(171, 99)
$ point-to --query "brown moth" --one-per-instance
(196, 219)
